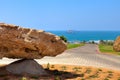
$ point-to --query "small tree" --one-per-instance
(102, 42)
(83, 41)
(93, 42)
(63, 38)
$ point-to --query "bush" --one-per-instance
(64, 68)
(57, 78)
(76, 69)
(93, 42)
(63, 38)
(23, 78)
(106, 42)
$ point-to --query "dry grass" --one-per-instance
(89, 73)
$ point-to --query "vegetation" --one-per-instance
(84, 73)
(23, 78)
(94, 76)
(64, 68)
(70, 45)
(88, 71)
(106, 42)
(110, 72)
(57, 78)
(107, 49)
(35, 77)
(63, 38)
(76, 69)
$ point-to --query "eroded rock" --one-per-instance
(26, 66)
(116, 45)
(18, 42)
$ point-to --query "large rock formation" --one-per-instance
(116, 45)
(17, 42)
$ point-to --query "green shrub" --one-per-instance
(105, 42)
(63, 38)
(76, 69)
(23, 78)
(35, 77)
(57, 78)
(93, 42)
(88, 71)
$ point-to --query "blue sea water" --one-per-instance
(88, 35)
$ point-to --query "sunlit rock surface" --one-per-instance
(18, 42)
(116, 45)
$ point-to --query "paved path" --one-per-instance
(86, 56)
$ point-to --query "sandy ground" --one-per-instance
(87, 55)
(89, 73)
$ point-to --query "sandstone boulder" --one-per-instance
(116, 45)
(18, 42)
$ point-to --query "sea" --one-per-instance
(79, 36)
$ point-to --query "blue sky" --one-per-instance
(62, 14)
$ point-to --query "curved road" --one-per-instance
(87, 55)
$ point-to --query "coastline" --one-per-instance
(90, 41)
(81, 36)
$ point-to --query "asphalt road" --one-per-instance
(87, 55)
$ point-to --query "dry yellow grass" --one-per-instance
(90, 73)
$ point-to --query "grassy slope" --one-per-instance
(70, 46)
(107, 49)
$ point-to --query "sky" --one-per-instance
(82, 15)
